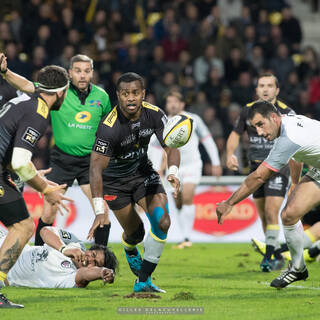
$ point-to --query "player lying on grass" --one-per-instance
(63, 262)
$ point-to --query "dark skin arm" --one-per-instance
(85, 275)
(98, 163)
(249, 185)
(173, 156)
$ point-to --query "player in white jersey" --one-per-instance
(297, 138)
(63, 262)
(190, 169)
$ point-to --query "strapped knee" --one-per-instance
(154, 219)
(136, 237)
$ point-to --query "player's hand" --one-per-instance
(55, 195)
(107, 275)
(3, 63)
(216, 171)
(232, 163)
(75, 253)
(99, 221)
(42, 173)
(223, 209)
(175, 183)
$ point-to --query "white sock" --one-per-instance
(294, 237)
(187, 214)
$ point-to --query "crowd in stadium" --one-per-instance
(214, 60)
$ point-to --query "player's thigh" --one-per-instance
(188, 190)
(272, 207)
(128, 218)
(302, 199)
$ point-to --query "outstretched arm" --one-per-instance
(232, 144)
(17, 81)
(85, 275)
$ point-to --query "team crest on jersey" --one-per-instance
(66, 264)
(42, 108)
(101, 146)
(95, 103)
(1, 191)
(83, 116)
(111, 118)
(65, 234)
(31, 136)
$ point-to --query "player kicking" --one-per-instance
(122, 174)
(63, 262)
(295, 137)
(190, 169)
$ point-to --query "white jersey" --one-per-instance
(42, 267)
(299, 139)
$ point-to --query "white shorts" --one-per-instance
(191, 173)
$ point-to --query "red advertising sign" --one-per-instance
(242, 216)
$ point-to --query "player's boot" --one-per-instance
(259, 246)
(277, 264)
(289, 276)
(135, 262)
(6, 303)
(146, 286)
(265, 265)
(183, 244)
(307, 257)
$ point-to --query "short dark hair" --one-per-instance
(80, 58)
(268, 74)
(52, 77)
(265, 108)
(110, 260)
(130, 77)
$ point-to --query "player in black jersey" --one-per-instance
(269, 197)
(7, 92)
(23, 120)
(122, 174)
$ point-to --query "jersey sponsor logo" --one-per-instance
(111, 118)
(83, 116)
(101, 146)
(110, 197)
(150, 106)
(65, 234)
(42, 108)
(66, 264)
(1, 191)
(31, 136)
(95, 103)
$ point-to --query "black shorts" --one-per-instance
(276, 186)
(67, 168)
(12, 206)
(119, 192)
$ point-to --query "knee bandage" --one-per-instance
(154, 219)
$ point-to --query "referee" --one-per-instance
(74, 128)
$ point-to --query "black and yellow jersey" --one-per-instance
(23, 120)
(7, 92)
(259, 147)
(125, 141)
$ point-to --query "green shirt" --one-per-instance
(74, 126)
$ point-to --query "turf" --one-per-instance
(223, 279)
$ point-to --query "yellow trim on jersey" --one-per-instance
(156, 238)
(42, 108)
(273, 227)
(149, 106)
(111, 118)
(310, 235)
(251, 103)
(282, 105)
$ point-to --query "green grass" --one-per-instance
(224, 279)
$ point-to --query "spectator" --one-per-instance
(244, 90)
(213, 87)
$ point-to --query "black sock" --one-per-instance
(269, 252)
(132, 252)
(284, 247)
(313, 252)
(277, 254)
(38, 240)
(146, 269)
(101, 235)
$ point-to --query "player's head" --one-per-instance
(54, 81)
(267, 87)
(100, 256)
(266, 118)
(130, 92)
(174, 103)
(81, 71)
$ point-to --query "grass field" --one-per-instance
(224, 279)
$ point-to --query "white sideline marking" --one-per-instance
(292, 286)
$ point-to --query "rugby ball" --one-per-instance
(177, 131)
